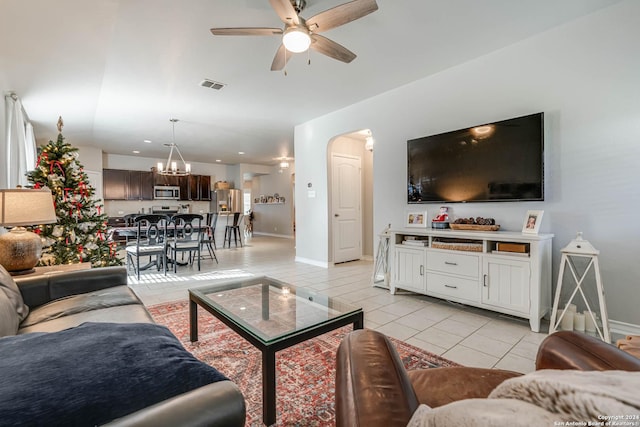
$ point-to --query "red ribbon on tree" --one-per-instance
(66, 195)
(58, 164)
(83, 189)
(41, 156)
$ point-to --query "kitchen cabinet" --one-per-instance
(195, 187)
(121, 184)
(114, 184)
(171, 180)
(140, 185)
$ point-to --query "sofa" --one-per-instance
(374, 389)
(79, 348)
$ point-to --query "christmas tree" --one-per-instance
(80, 235)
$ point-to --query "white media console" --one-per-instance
(477, 268)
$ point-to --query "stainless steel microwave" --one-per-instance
(166, 192)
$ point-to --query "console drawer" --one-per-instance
(454, 287)
(453, 263)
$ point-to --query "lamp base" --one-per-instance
(20, 251)
(22, 272)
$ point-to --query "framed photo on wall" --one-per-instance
(532, 222)
(416, 219)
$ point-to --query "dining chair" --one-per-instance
(151, 240)
(209, 236)
(234, 230)
(129, 219)
(187, 236)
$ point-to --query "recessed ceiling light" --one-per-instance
(218, 160)
(136, 152)
(240, 152)
(148, 141)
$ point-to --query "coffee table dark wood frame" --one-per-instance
(269, 350)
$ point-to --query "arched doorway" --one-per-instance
(350, 198)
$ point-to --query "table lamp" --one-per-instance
(20, 249)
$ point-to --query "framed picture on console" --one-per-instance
(416, 219)
(532, 222)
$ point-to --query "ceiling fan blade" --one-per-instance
(246, 31)
(330, 48)
(285, 11)
(341, 15)
(281, 59)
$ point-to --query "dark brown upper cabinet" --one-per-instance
(121, 184)
(195, 187)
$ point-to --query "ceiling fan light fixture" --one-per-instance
(296, 39)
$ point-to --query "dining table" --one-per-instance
(128, 233)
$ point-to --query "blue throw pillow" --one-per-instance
(93, 373)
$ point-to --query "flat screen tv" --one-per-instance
(494, 162)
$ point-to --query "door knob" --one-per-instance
(336, 215)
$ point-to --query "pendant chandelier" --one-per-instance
(171, 167)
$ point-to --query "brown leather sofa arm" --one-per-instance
(39, 290)
(574, 350)
(372, 386)
(219, 404)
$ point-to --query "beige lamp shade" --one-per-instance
(20, 249)
(20, 207)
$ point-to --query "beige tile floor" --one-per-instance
(466, 335)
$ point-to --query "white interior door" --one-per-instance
(346, 195)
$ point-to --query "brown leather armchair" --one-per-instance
(373, 388)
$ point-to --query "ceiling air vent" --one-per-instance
(211, 84)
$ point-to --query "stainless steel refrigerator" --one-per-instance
(227, 201)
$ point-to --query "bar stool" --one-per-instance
(233, 230)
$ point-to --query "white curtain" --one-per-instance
(20, 149)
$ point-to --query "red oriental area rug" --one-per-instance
(305, 372)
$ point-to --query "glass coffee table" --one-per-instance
(272, 316)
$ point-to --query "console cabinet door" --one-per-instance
(410, 269)
(505, 284)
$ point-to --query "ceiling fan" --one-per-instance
(300, 34)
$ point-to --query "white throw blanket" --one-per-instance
(546, 398)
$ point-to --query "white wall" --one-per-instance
(274, 219)
(583, 75)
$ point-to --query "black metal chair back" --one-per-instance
(129, 220)
(209, 236)
(151, 241)
(233, 230)
(187, 236)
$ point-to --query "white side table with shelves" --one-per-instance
(467, 267)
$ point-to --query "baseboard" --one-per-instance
(624, 328)
(284, 236)
(367, 257)
(312, 262)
